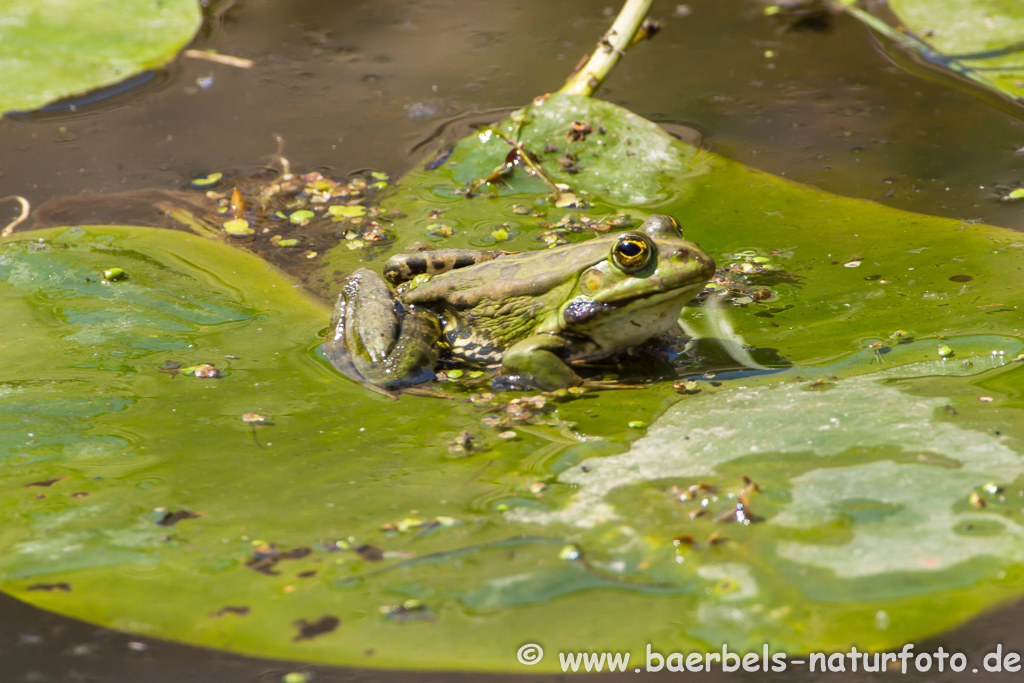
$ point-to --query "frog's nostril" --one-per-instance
(682, 255)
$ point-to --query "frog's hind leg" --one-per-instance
(404, 267)
(375, 341)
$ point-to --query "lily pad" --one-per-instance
(981, 41)
(57, 48)
(346, 528)
(910, 266)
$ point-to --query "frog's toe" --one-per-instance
(537, 364)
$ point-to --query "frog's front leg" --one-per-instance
(536, 362)
(374, 339)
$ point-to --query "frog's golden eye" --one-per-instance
(632, 252)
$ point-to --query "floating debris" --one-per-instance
(569, 552)
(579, 131)
(114, 274)
(240, 610)
(266, 555)
(204, 371)
(568, 200)
(311, 629)
(205, 181)
(238, 227)
(409, 610)
(45, 483)
(50, 587)
(688, 386)
(172, 518)
(463, 443)
(237, 206)
(440, 230)
(370, 552)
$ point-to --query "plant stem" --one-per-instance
(609, 49)
(25, 209)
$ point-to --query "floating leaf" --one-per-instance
(238, 227)
(208, 180)
(864, 474)
(60, 48)
(347, 211)
(976, 40)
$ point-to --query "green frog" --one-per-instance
(532, 313)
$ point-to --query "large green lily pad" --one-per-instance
(347, 528)
(51, 49)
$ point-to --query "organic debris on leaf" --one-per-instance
(311, 629)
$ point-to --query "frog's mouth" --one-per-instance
(657, 297)
(582, 310)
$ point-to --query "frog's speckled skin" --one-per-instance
(531, 312)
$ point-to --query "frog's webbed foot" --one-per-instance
(375, 341)
(536, 363)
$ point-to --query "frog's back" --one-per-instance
(489, 306)
(532, 274)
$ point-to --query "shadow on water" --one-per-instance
(382, 85)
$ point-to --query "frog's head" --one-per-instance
(639, 289)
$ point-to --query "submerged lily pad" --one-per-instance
(56, 48)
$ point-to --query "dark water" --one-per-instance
(354, 85)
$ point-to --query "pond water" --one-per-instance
(350, 86)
